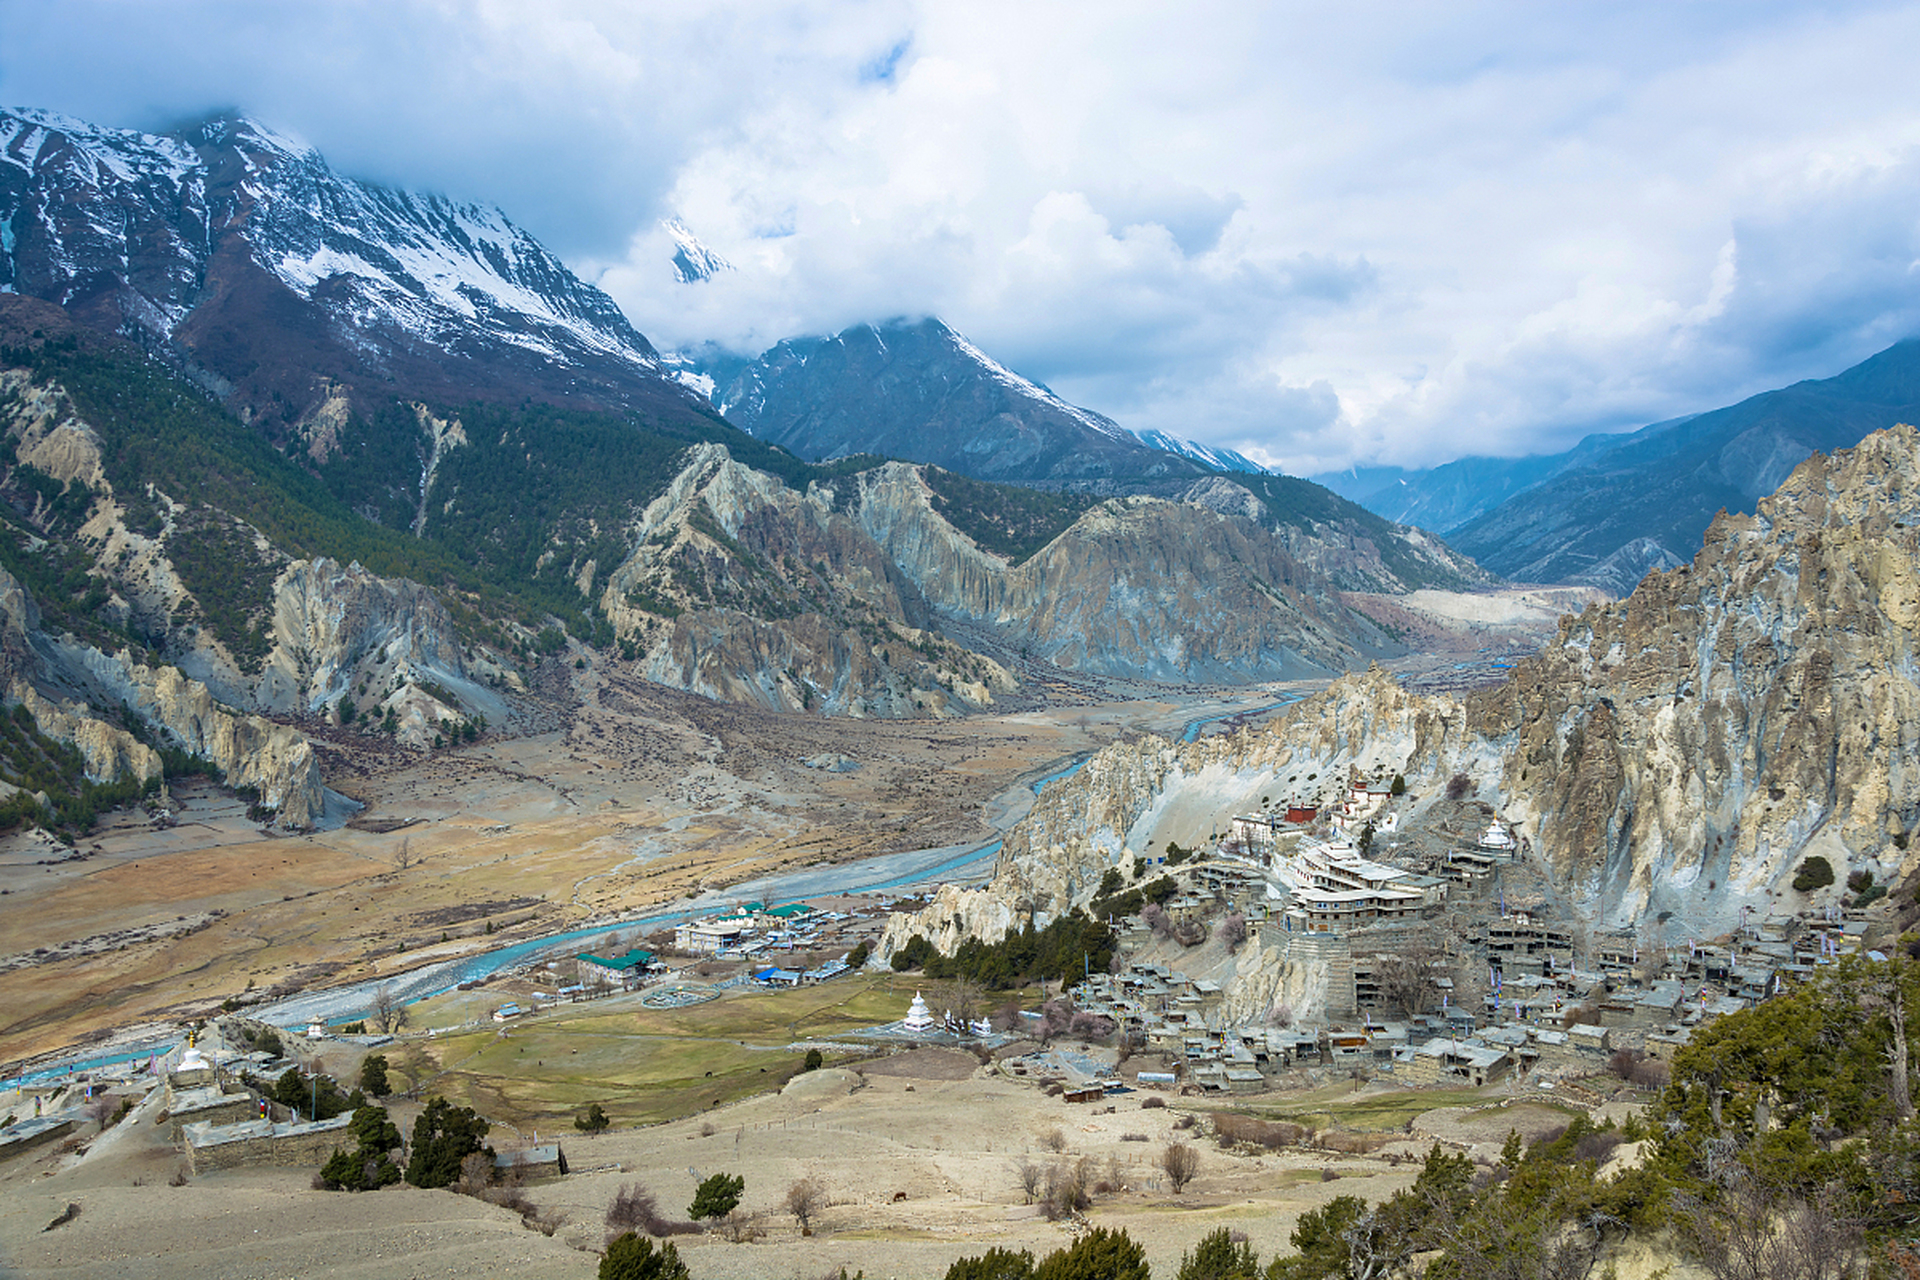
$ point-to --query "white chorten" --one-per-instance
(1497, 837)
(917, 1019)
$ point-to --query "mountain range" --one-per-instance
(330, 451)
(1615, 506)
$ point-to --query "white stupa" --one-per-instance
(917, 1019)
(1497, 837)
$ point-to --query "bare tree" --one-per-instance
(1030, 1176)
(389, 1010)
(634, 1208)
(1755, 1231)
(1885, 994)
(1233, 930)
(965, 998)
(403, 857)
(1069, 1188)
(1180, 1163)
(804, 1199)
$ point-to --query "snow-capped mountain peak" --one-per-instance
(692, 261)
(155, 233)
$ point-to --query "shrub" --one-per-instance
(1459, 787)
(1220, 1255)
(1069, 1189)
(1150, 1103)
(443, 1136)
(593, 1120)
(1814, 873)
(813, 1061)
(1232, 1130)
(632, 1257)
(1101, 1254)
(373, 1076)
(634, 1208)
(994, 1264)
(717, 1197)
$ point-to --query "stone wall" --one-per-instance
(262, 1142)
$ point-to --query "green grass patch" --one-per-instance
(649, 1065)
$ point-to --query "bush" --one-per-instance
(373, 1076)
(443, 1136)
(1219, 1256)
(994, 1264)
(634, 1208)
(1459, 787)
(717, 1197)
(1814, 873)
(1233, 1130)
(1101, 1254)
(594, 1120)
(813, 1061)
(1069, 1189)
(632, 1257)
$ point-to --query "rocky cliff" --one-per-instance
(744, 589)
(1674, 755)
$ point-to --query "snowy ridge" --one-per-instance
(1205, 454)
(693, 261)
(151, 210)
(1000, 373)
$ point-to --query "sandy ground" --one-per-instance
(932, 1126)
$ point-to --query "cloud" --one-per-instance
(1319, 235)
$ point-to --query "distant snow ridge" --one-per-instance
(693, 261)
(1026, 386)
(1205, 454)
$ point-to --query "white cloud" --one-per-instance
(1319, 235)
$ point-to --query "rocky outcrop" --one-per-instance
(1135, 587)
(742, 589)
(251, 751)
(1677, 753)
(339, 630)
(1684, 749)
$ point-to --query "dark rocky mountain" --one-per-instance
(1616, 506)
(917, 390)
(283, 286)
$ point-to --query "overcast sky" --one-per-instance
(1391, 233)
